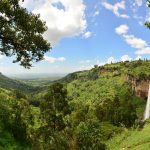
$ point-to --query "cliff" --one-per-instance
(140, 87)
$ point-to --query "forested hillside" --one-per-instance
(11, 84)
(83, 111)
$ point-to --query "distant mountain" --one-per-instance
(70, 77)
(35, 76)
(12, 84)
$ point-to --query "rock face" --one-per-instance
(140, 87)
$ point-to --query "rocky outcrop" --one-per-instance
(140, 87)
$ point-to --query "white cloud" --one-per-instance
(96, 13)
(125, 58)
(64, 18)
(122, 29)
(147, 16)
(139, 2)
(100, 63)
(115, 8)
(87, 34)
(137, 43)
(138, 57)
(145, 50)
(1, 56)
(141, 23)
(134, 6)
(140, 18)
(53, 59)
(111, 60)
(134, 42)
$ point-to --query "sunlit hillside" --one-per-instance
(100, 110)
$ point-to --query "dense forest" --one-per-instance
(88, 110)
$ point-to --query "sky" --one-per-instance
(87, 32)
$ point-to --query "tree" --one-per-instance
(21, 119)
(21, 34)
(94, 73)
(53, 110)
(120, 110)
(88, 136)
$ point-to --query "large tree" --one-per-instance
(21, 33)
(54, 109)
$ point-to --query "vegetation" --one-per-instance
(39, 82)
(11, 84)
(85, 110)
(14, 121)
(135, 139)
(95, 109)
(21, 33)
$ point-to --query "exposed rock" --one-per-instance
(140, 87)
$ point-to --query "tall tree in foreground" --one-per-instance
(53, 111)
(21, 33)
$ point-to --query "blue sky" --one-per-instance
(84, 33)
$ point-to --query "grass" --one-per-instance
(131, 140)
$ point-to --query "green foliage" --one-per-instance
(88, 136)
(84, 114)
(21, 120)
(137, 69)
(54, 108)
(137, 139)
(15, 120)
(21, 33)
(11, 84)
(119, 111)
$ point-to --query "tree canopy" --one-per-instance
(21, 34)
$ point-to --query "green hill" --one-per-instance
(138, 69)
(11, 84)
(100, 111)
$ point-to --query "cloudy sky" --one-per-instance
(88, 32)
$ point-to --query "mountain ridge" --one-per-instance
(9, 84)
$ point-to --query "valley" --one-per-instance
(97, 104)
(74, 75)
